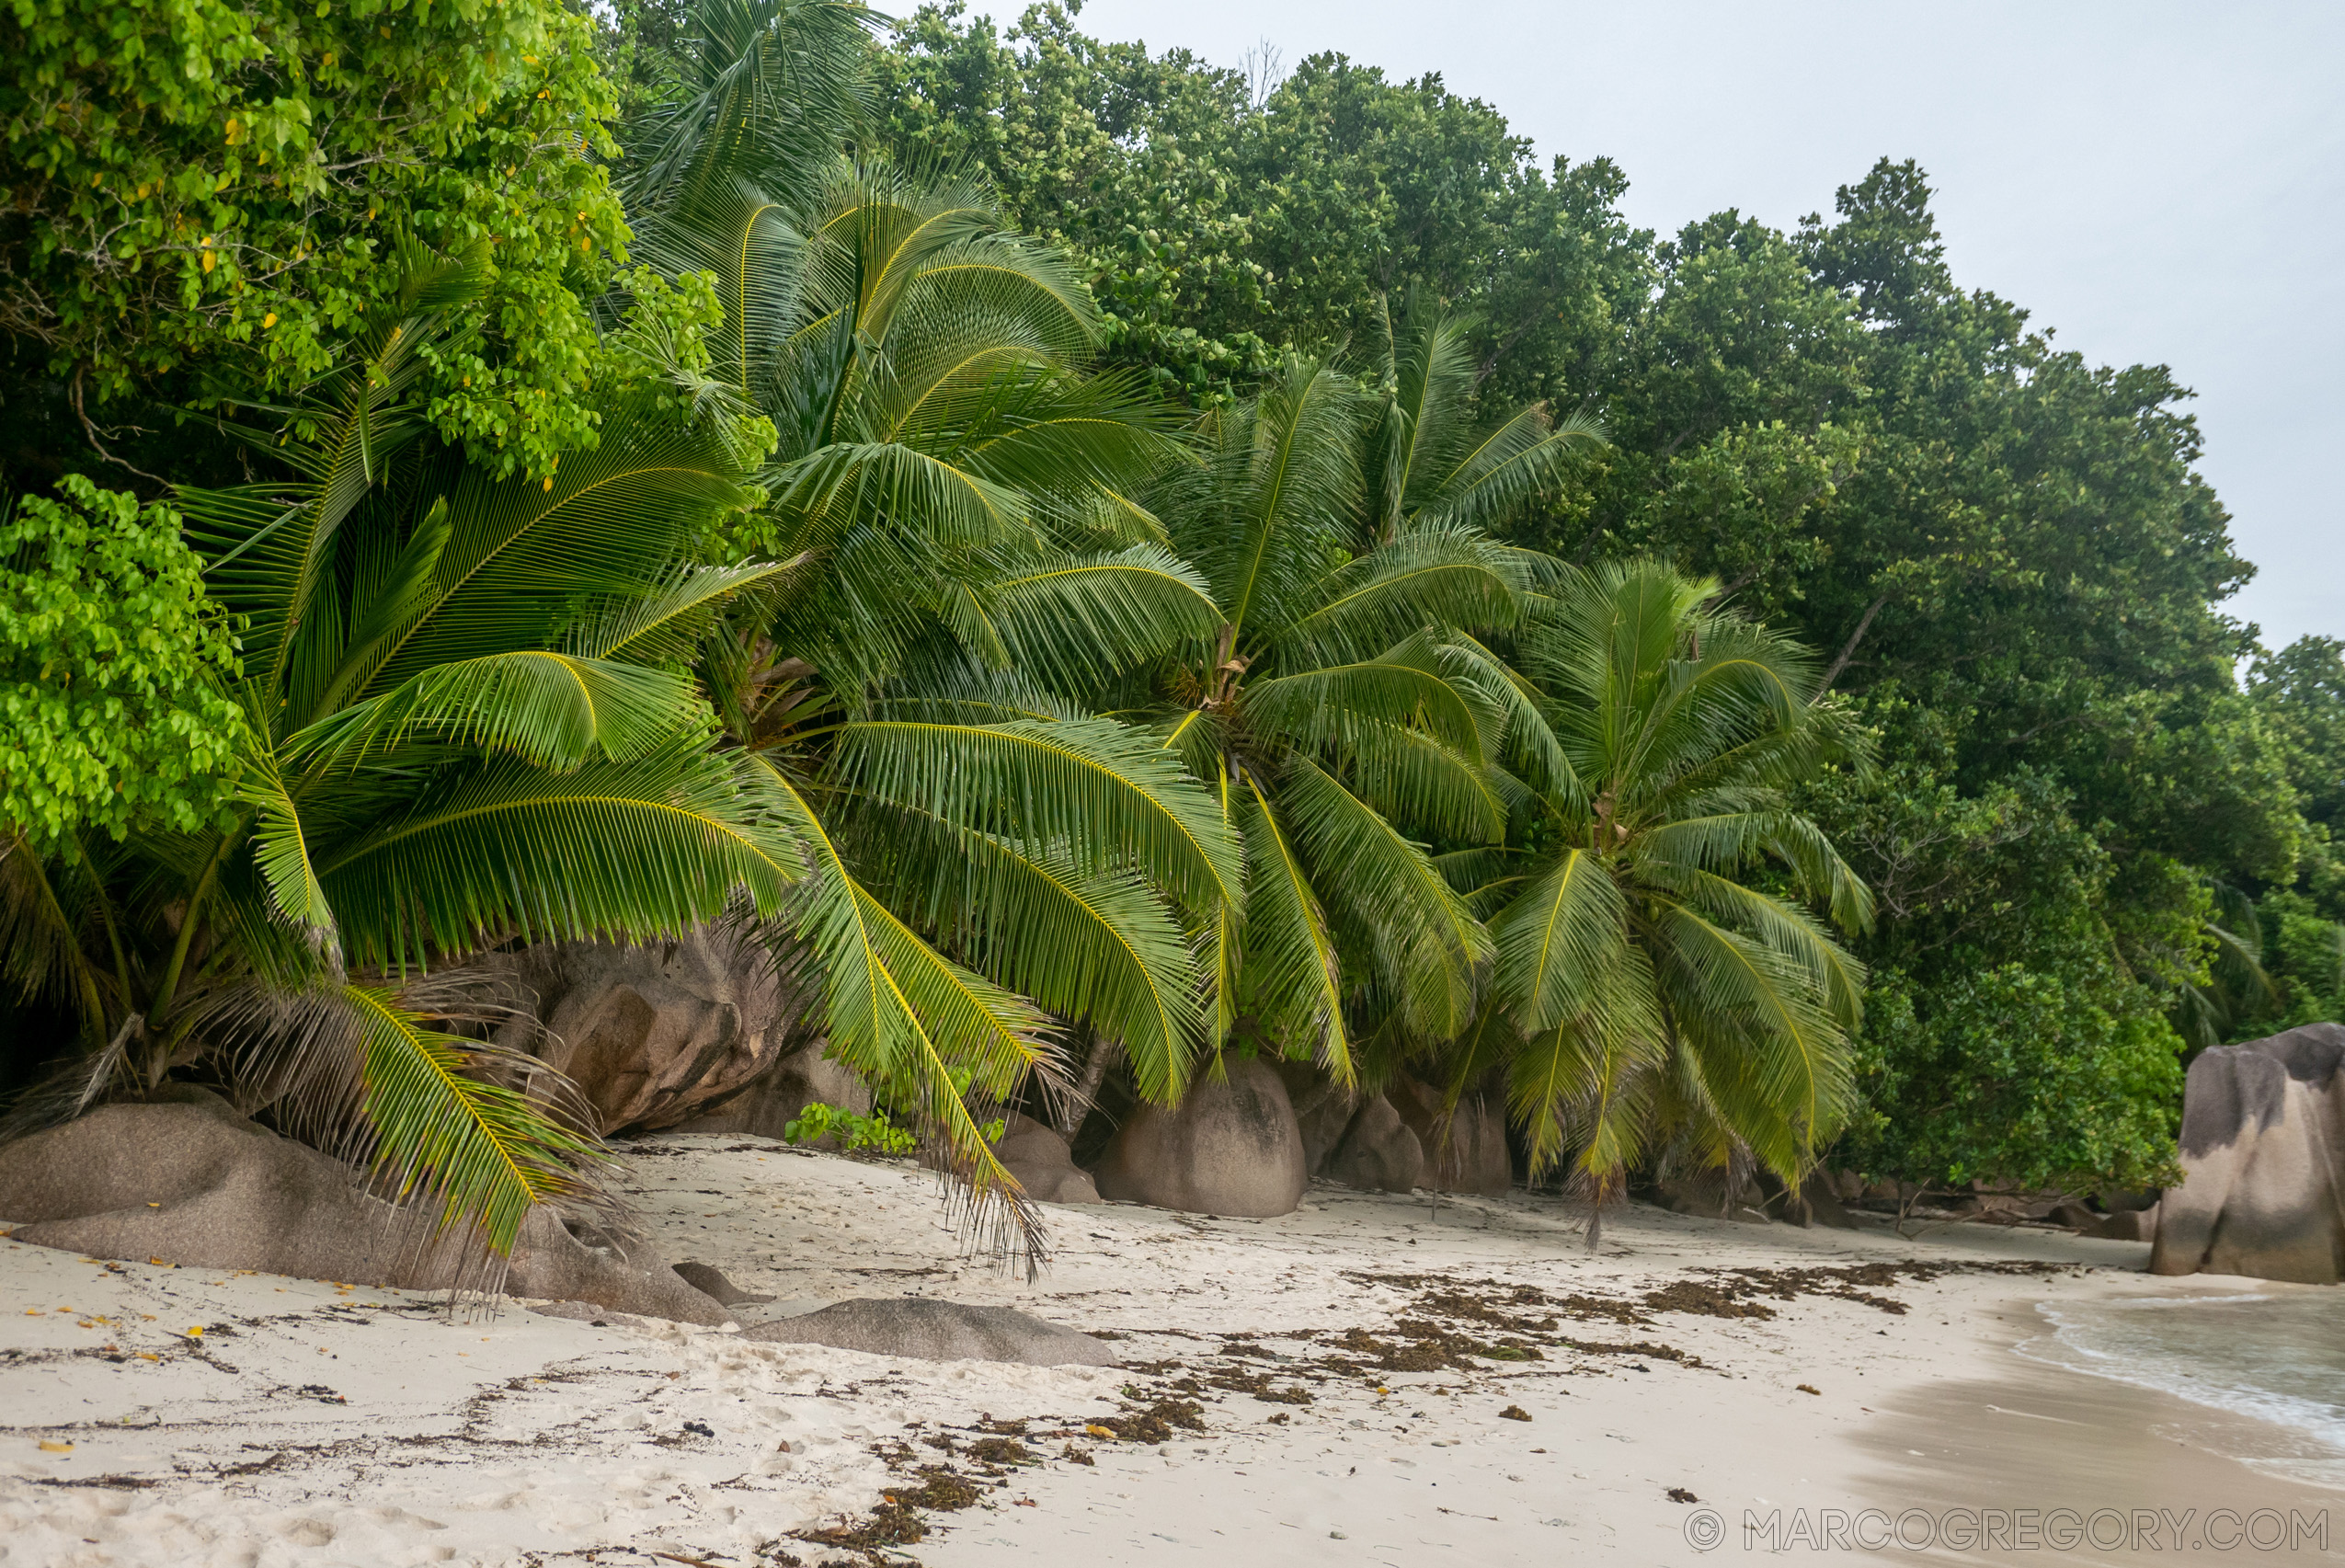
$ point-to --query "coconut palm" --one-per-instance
(1645, 994)
(465, 725)
(989, 857)
(1341, 706)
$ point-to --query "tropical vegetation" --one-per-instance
(1102, 562)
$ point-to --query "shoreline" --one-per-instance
(1348, 1365)
(2034, 1434)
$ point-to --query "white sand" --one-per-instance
(314, 1423)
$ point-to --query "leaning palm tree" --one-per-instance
(1644, 991)
(463, 724)
(1341, 704)
(988, 858)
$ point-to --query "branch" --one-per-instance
(1849, 648)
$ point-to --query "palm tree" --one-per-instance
(463, 724)
(1340, 704)
(989, 857)
(1644, 988)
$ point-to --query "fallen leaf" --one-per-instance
(49, 1447)
(1810, 1388)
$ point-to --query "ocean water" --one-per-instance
(2278, 1357)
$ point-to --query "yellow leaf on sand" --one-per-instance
(196, 1332)
(49, 1447)
(1099, 1431)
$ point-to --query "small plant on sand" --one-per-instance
(851, 1131)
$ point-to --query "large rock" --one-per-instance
(1231, 1147)
(1465, 1151)
(1705, 1193)
(1037, 1156)
(768, 1104)
(1380, 1153)
(191, 1182)
(2263, 1141)
(654, 1033)
(937, 1330)
(1324, 1112)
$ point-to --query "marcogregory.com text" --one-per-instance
(2002, 1531)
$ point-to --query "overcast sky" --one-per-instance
(2160, 183)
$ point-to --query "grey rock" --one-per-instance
(1231, 1147)
(710, 1281)
(1324, 1112)
(1465, 1150)
(937, 1330)
(768, 1104)
(654, 1033)
(1380, 1153)
(1704, 1194)
(1038, 1157)
(1819, 1205)
(191, 1182)
(2263, 1136)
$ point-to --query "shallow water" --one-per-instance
(2279, 1357)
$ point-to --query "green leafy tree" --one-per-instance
(209, 195)
(2051, 1075)
(114, 672)
(1220, 220)
(1648, 1000)
(2299, 693)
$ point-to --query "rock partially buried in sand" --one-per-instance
(710, 1281)
(1465, 1150)
(1323, 1110)
(2263, 1135)
(937, 1330)
(191, 1182)
(1228, 1147)
(1379, 1153)
(1040, 1158)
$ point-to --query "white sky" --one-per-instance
(2161, 183)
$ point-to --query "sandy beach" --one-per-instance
(1335, 1386)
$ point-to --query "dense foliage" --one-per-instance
(2004, 553)
(1089, 554)
(210, 196)
(114, 671)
